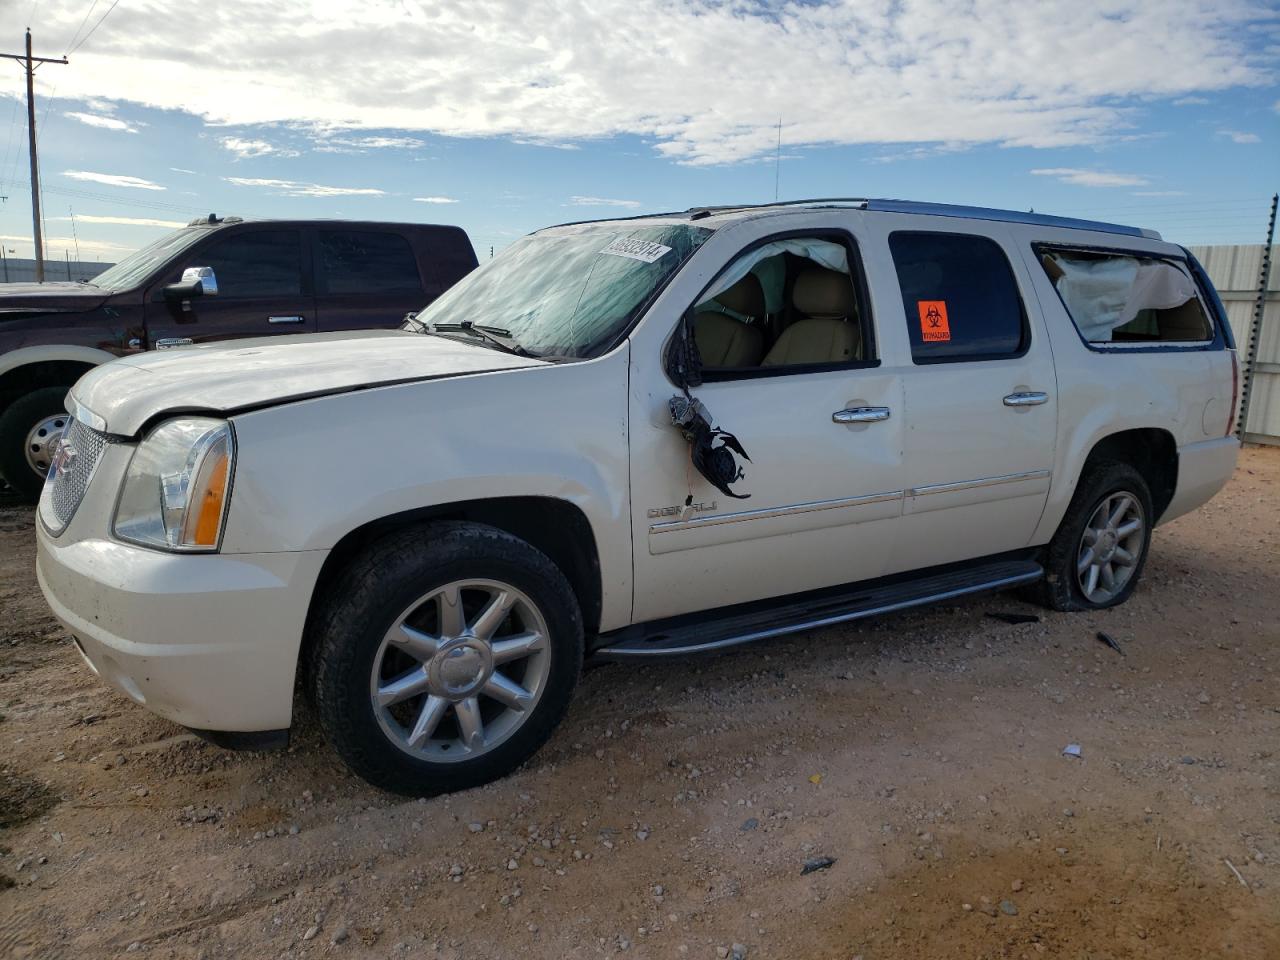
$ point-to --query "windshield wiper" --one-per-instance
(491, 335)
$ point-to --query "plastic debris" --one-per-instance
(816, 863)
(1072, 750)
(1110, 642)
(1004, 617)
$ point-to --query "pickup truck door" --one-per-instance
(366, 279)
(980, 413)
(824, 483)
(264, 289)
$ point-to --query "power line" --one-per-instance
(108, 198)
(83, 21)
(93, 29)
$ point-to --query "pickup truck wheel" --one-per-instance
(446, 657)
(29, 428)
(1096, 557)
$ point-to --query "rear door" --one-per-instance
(264, 289)
(980, 393)
(365, 278)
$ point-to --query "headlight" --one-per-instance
(175, 492)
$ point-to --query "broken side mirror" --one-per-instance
(195, 282)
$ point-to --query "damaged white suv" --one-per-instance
(635, 438)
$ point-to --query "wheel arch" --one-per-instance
(556, 527)
(1152, 451)
(33, 367)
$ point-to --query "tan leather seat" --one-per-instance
(723, 339)
(828, 333)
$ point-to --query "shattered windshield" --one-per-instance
(138, 267)
(567, 293)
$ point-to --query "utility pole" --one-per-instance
(30, 64)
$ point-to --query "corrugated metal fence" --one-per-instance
(19, 270)
(1235, 271)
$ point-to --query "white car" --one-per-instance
(634, 438)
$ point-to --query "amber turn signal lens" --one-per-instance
(209, 492)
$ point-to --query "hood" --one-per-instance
(244, 374)
(28, 298)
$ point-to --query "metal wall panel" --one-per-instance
(1235, 271)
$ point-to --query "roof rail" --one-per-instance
(1007, 216)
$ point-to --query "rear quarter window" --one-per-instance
(1120, 297)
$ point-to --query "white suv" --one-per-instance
(634, 438)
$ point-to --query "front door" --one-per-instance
(792, 371)
(263, 290)
(981, 404)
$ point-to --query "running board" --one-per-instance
(710, 632)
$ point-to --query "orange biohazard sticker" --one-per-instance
(933, 320)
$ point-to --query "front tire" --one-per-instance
(445, 657)
(29, 428)
(1097, 555)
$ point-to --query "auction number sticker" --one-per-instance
(934, 326)
(646, 251)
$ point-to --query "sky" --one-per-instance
(504, 116)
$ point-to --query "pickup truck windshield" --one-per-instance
(567, 294)
(138, 267)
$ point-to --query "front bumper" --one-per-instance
(209, 641)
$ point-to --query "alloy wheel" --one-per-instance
(460, 670)
(1110, 546)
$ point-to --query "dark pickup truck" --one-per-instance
(215, 279)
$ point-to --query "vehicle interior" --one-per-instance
(787, 303)
(1113, 306)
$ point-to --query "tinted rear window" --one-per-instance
(960, 297)
(358, 261)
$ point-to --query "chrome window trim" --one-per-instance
(933, 488)
(813, 506)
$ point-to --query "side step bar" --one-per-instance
(738, 625)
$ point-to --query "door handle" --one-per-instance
(860, 415)
(1026, 398)
(292, 319)
(168, 343)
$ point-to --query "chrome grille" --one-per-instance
(74, 461)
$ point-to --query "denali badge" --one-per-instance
(679, 510)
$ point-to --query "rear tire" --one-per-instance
(1087, 541)
(28, 427)
(444, 657)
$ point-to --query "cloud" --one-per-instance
(106, 123)
(434, 200)
(124, 221)
(601, 202)
(247, 149)
(112, 179)
(292, 188)
(707, 83)
(181, 170)
(1091, 178)
(361, 144)
(1190, 101)
(1240, 136)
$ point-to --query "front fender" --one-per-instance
(310, 472)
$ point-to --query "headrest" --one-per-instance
(819, 292)
(745, 297)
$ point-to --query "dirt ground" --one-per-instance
(673, 812)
